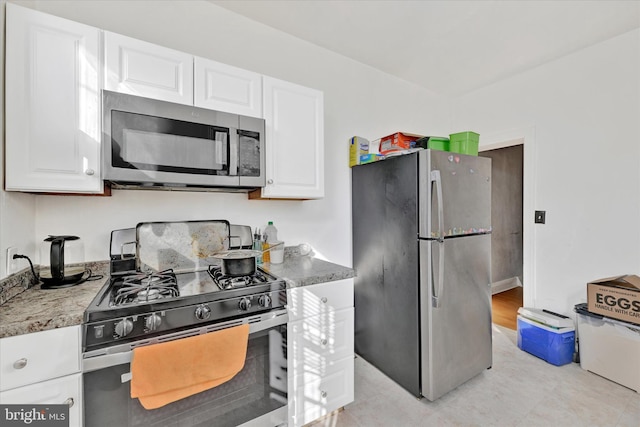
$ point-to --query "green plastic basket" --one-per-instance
(433, 142)
(464, 143)
(436, 143)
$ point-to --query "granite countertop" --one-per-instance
(36, 309)
(307, 270)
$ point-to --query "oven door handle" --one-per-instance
(120, 358)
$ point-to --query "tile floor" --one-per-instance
(520, 391)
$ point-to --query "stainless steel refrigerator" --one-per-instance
(422, 252)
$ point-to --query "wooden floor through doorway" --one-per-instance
(505, 307)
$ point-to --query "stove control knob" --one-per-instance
(203, 312)
(152, 322)
(244, 304)
(264, 301)
(123, 328)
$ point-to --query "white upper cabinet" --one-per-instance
(145, 69)
(223, 87)
(52, 104)
(295, 140)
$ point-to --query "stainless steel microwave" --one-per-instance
(156, 144)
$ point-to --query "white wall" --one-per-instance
(358, 101)
(585, 111)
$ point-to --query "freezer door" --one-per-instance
(455, 335)
(455, 194)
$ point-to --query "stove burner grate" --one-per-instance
(233, 282)
(146, 287)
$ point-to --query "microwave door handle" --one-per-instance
(234, 152)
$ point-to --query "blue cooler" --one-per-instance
(546, 335)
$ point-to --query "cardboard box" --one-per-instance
(398, 141)
(358, 147)
(616, 298)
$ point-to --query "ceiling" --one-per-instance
(447, 47)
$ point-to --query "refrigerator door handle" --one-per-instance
(435, 178)
(438, 288)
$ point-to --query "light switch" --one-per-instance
(540, 217)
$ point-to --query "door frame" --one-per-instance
(526, 138)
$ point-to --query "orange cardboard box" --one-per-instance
(397, 141)
(615, 298)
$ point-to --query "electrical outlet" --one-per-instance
(12, 264)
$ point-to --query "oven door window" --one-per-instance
(260, 388)
(152, 143)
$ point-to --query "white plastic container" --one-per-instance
(277, 252)
(609, 348)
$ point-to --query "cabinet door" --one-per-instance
(294, 140)
(318, 395)
(67, 390)
(323, 298)
(318, 341)
(223, 87)
(52, 104)
(30, 358)
(140, 68)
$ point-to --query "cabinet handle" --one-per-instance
(323, 394)
(89, 172)
(69, 402)
(20, 363)
(323, 342)
(324, 300)
(269, 181)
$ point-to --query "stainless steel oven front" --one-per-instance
(256, 396)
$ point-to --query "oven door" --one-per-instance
(256, 396)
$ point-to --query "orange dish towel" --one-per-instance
(164, 373)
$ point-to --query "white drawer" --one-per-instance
(318, 340)
(30, 358)
(317, 395)
(323, 298)
(61, 390)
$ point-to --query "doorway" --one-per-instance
(507, 254)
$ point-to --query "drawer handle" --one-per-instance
(323, 394)
(69, 402)
(324, 300)
(323, 342)
(20, 363)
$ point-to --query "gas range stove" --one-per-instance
(139, 305)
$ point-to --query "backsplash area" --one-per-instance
(16, 284)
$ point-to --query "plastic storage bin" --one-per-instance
(554, 345)
(464, 143)
(434, 143)
(609, 348)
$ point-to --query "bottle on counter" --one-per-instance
(257, 245)
(266, 256)
(271, 232)
(270, 236)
